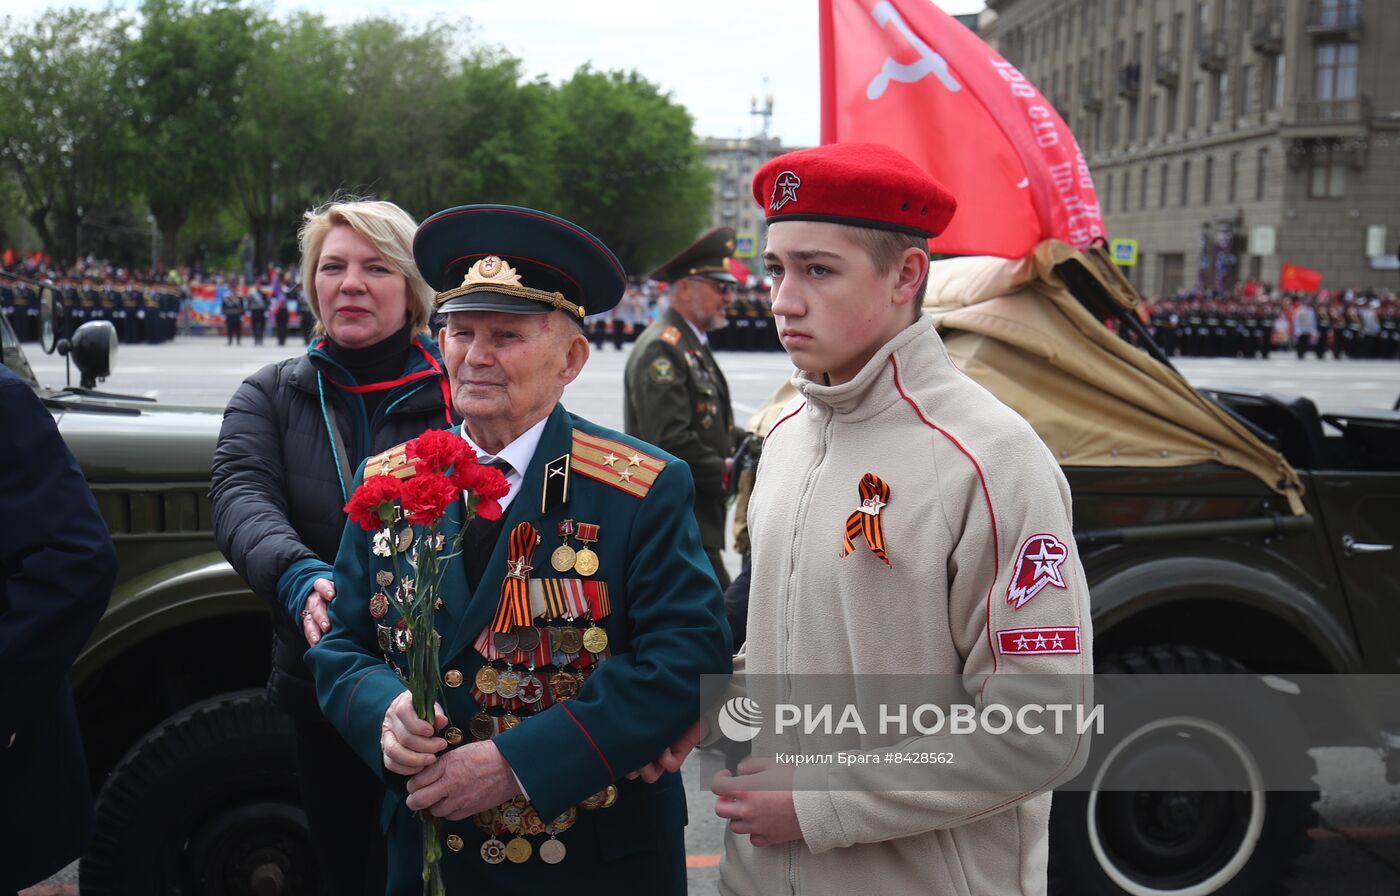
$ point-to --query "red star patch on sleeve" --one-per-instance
(1037, 565)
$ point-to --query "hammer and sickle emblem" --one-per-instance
(928, 63)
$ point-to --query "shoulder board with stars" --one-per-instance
(393, 462)
(671, 336)
(614, 463)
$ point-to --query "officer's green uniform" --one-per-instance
(676, 397)
(587, 710)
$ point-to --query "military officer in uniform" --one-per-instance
(542, 718)
(674, 394)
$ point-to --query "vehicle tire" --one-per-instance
(206, 804)
(1183, 843)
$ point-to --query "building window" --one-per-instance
(1335, 71)
(1198, 92)
(1142, 190)
(1162, 187)
(1185, 183)
(1127, 189)
(1131, 111)
(1108, 191)
(1261, 172)
(1202, 21)
(1327, 178)
(1249, 88)
(1222, 95)
(1276, 83)
(1171, 112)
(1208, 182)
(1232, 182)
(1150, 128)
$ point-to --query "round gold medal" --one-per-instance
(493, 852)
(519, 850)
(554, 635)
(564, 685)
(508, 684)
(562, 559)
(552, 852)
(586, 563)
(481, 726)
(609, 796)
(595, 639)
(452, 678)
(509, 721)
(570, 640)
(486, 678)
(455, 842)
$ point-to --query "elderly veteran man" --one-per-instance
(903, 520)
(674, 394)
(542, 723)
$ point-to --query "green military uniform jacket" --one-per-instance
(677, 398)
(666, 628)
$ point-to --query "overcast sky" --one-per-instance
(714, 56)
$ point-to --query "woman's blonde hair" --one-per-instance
(387, 227)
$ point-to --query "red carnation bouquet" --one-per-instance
(402, 503)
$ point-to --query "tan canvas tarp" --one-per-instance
(1097, 401)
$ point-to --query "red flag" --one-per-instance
(1296, 278)
(906, 74)
(740, 271)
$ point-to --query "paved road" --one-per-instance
(1357, 851)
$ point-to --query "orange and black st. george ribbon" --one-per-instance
(865, 521)
(514, 608)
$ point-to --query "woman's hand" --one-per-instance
(315, 618)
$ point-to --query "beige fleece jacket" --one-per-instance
(983, 582)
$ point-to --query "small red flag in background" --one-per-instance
(1296, 278)
(740, 271)
(906, 74)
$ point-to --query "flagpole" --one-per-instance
(826, 42)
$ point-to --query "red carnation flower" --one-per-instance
(437, 450)
(426, 497)
(372, 505)
(488, 508)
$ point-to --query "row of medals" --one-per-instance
(518, 816)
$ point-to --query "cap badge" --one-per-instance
(491, 270)
(785, 190)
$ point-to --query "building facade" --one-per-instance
(734, 163)
(1228, 137)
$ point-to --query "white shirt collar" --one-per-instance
(518, 454)
(699, 333)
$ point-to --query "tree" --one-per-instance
(65, 125)
(627, 165)
(291, 96)
(185, 72)
(391, 134)
(501, 135)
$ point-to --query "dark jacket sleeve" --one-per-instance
(57, 563)
(251, 521)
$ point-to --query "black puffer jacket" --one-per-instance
(277, 492)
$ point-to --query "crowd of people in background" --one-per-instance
(151, 306)
(1254, 320)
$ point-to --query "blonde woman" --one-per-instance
(292, 438)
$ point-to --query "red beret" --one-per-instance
(862, 184)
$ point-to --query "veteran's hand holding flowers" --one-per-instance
(402, 503)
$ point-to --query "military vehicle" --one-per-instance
(193, 769)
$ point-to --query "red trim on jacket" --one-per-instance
(591, 741)
(986, 494)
